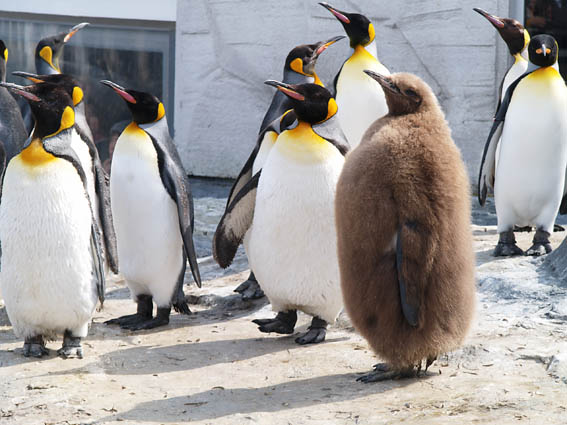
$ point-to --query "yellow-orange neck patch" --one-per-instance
(133, 129)
(35, 154)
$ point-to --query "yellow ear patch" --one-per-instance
(297, 66)
(160, 112)
(6, 55)
(67, 120)
(77, 95)
(526, 38)
(331, 108)
(371, 33)
(47, 55)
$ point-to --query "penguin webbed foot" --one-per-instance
(126, 320)
(250, 289)
(541, 245)
(35, 347)
(283, 323)
(71, 347)
(143, 313)
(506, 246)
(315, 333)
(383, 372)
(558, 228)
(161, 319)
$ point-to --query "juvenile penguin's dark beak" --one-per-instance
(21, 90)
(384, 81)
(34, 78)
(74, 30)
(285, 89)
(494, 20)
(322, 46)
(120, 90)
(341, 16)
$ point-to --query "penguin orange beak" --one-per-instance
(341, 16)
(384, 81)
(34, 78)
(286, 89)
(325, 44)
(494, 20)
(21, 90)
(120, 90)
(74, 30)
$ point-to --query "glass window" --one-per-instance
(549, 17)
(138, 56)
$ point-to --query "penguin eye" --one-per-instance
(410, 92)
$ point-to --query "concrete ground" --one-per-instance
(215, 367)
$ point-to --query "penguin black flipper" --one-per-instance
(67, 153)
(330, 130)
(2, 166)
(336, 80)
(104, 211)
(235, 222)
(176, 183)
(411, 294)
(488, 163)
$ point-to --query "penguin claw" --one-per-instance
(507, 250)
(243, 286)
(126, 320)
(68, 352)
(381, 367)
(35, 349)
(253, 292)
(312, 336)
(385, 373)
(283, 323)
(558, 228)
(538, 249)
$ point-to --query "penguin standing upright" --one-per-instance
(359, 98)
(51, 272)
(82, 143)
(288, 207)
(517, 39)
(299, 68)
(404, 241)
(12, 130)
(152, 210)
(530, 133)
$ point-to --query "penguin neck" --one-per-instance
(521, 56)
(361, 53)
(292, 77)
(35, 154)
(370, 48)
(43, 68)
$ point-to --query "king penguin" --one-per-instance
(299, 68)
(152, 209)
(12, 130)
(49, 50)
(288, 208)
(82, 143)
(404, 240)
(517, 39)
(51, 272)
(530, 133)
(359, 98)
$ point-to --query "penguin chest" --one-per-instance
(45, 228)
(293, 238)
(145, 216)
(533, 154)
(360, 99)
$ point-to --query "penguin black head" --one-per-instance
(302, 59)
(51, 107)
(49, 49)
(312, 103)
(511, 31)
(3, 60)
(145, 107)
(405, 93)
(543, 50)
(70, 85)
(358, 27)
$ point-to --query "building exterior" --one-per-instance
(208, 59)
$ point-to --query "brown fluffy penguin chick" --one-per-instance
(404, 238)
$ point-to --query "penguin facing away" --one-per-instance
(403, 227)
(12, 130)
(82, 143)
(288, 208)
(299, 68)
(152, 210)
(51, 272)
(530, 133)
(360, 99)
(517, 39)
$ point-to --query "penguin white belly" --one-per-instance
(360, 99)
(47, 267)
(530, 171)
(293, 237)
(150, 247)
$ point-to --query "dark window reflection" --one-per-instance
(135, 57)
(549, 17)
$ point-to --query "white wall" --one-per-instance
(226, 49)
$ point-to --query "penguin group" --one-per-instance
(353, 197)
